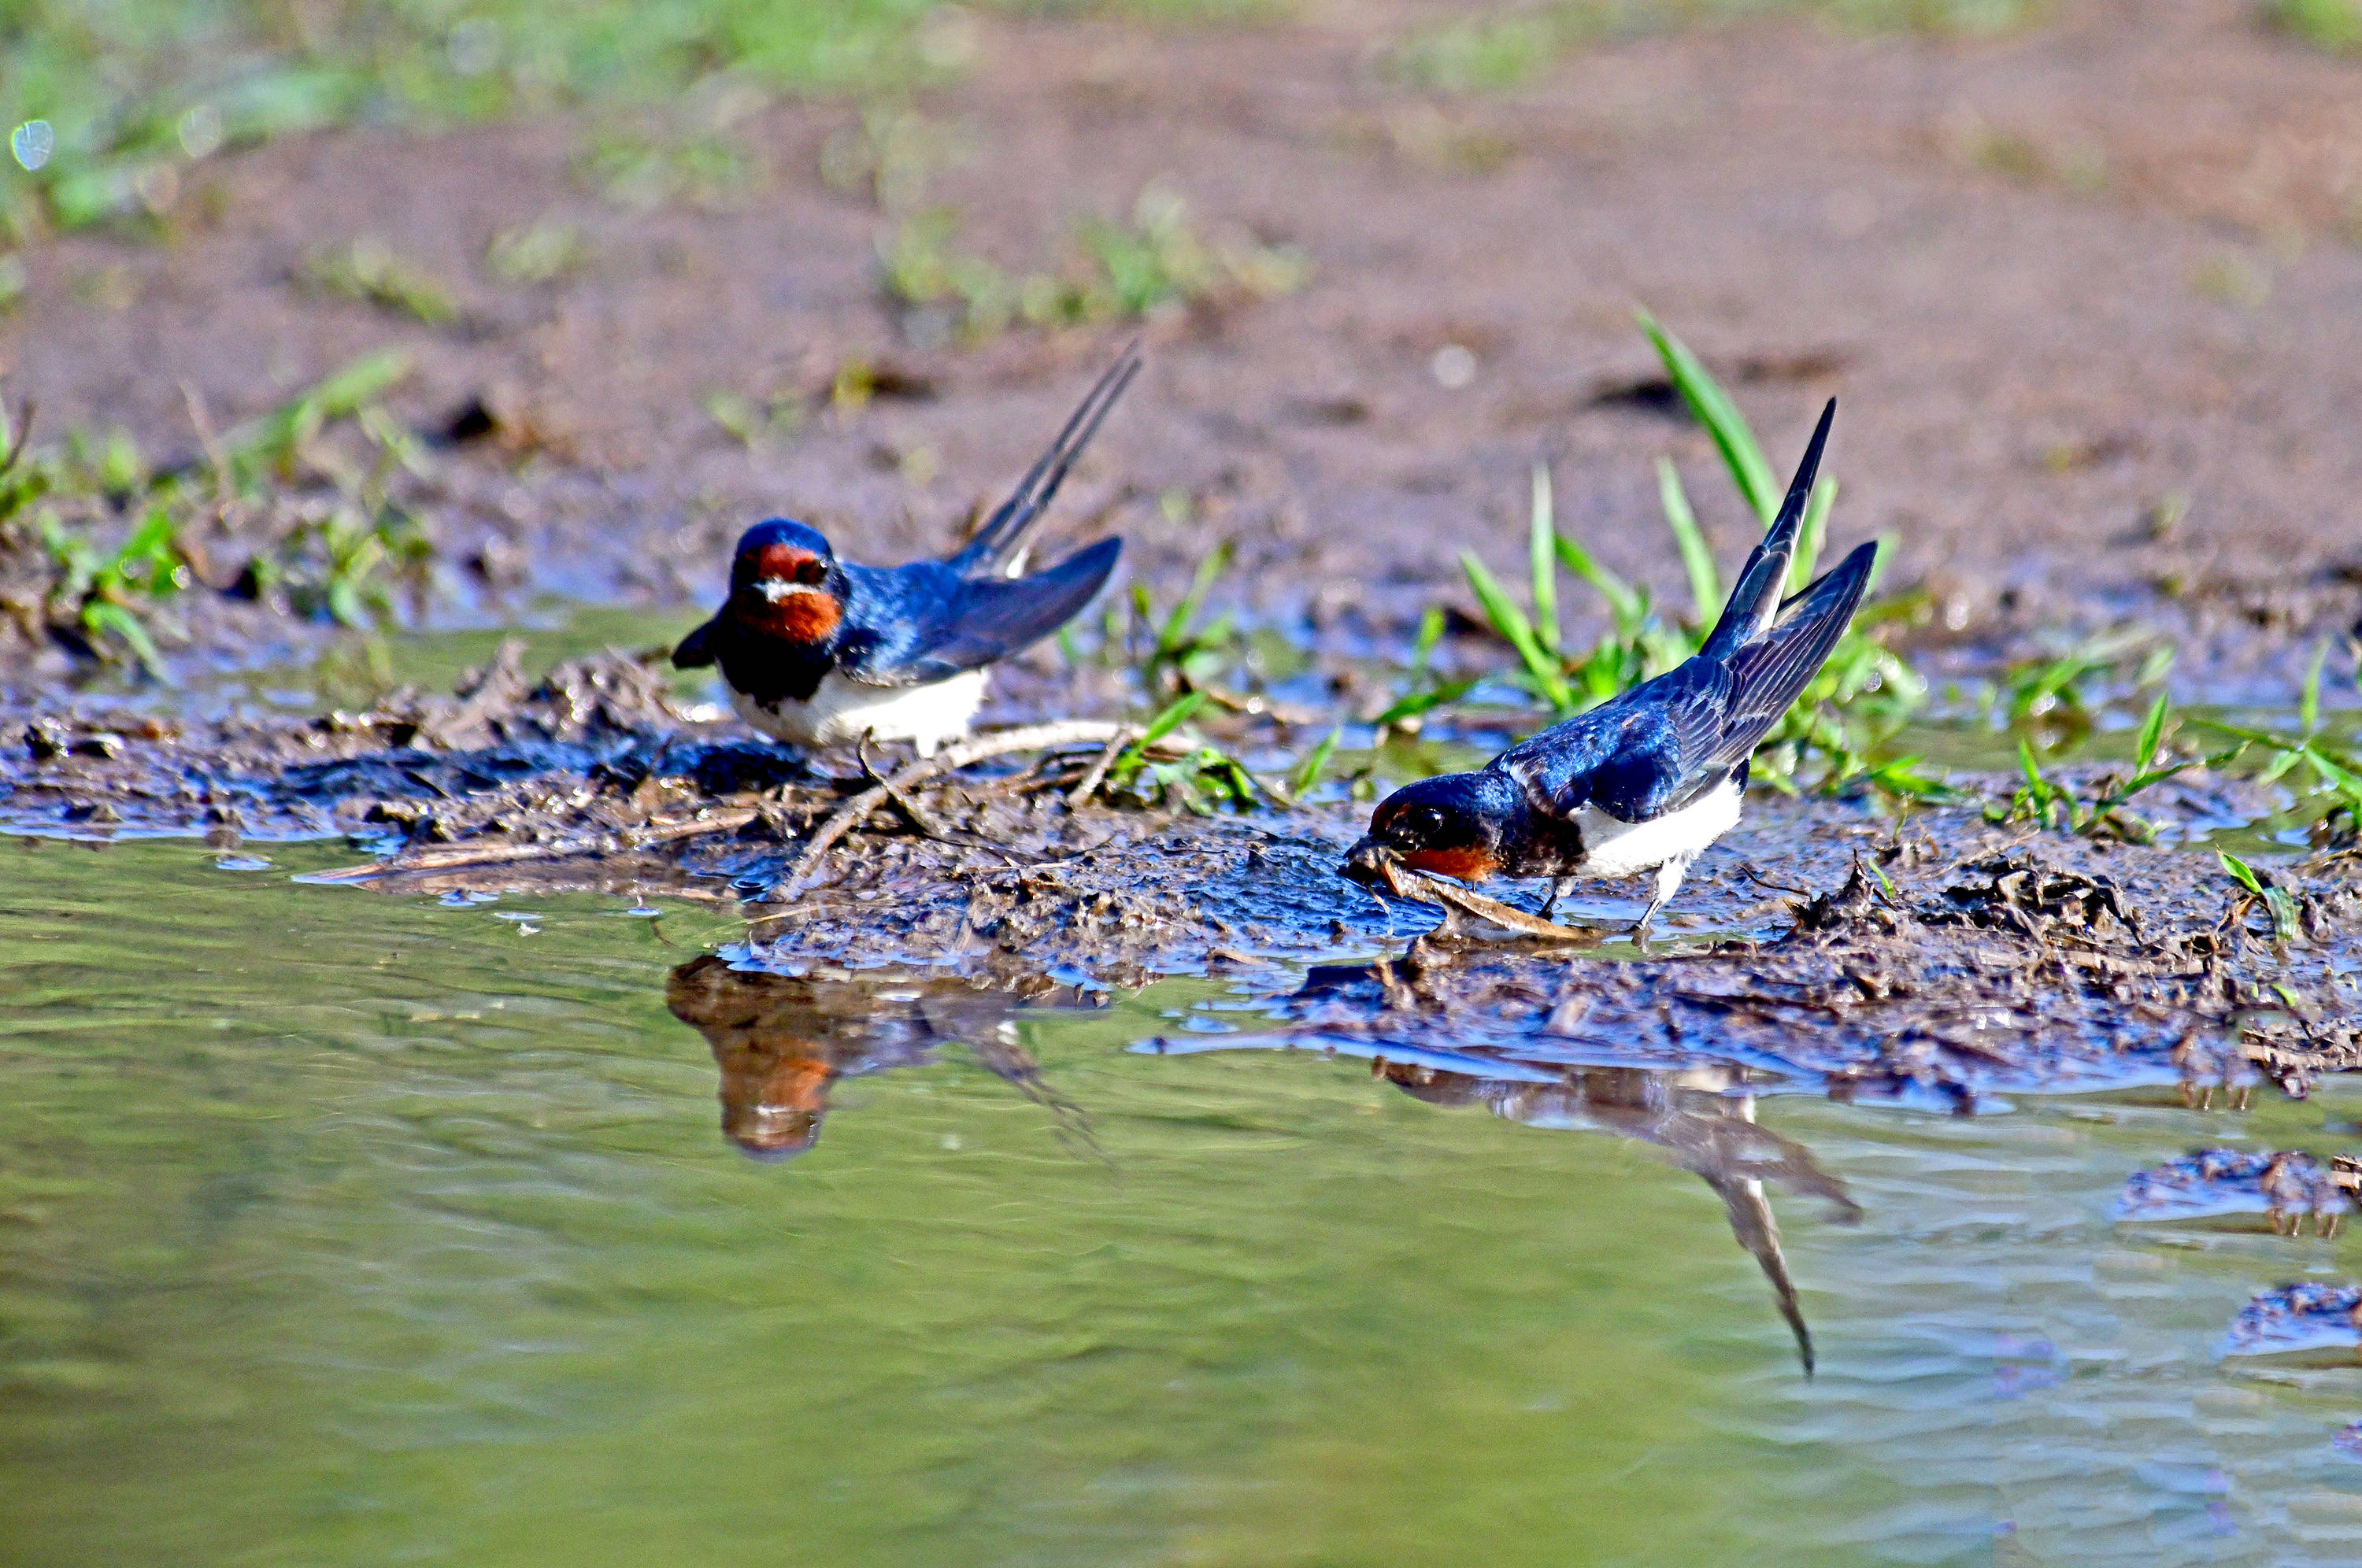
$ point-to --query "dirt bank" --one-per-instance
(2077, 324)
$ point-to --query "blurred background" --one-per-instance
(477, 304)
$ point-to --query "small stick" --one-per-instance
(912, 810)
(17, 432)
(1426, 889)
(1031, 737)
(1098, 770)
(461, 857)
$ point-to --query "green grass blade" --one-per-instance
(273, 436)
(1721, 418)
(1511, 622)
(1177, 714)
(103, 615)
(2310, 707)
(2286, 923)
(1418, 703)
(2032, 771)
(1706, 583)
(1542, 535)
(1307, 772)
(1624, 600)
(2152, 734)
(1430, 632)
(1175, 634)
(2332, 774)
(2241, 872)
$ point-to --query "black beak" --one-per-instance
(1366, 862)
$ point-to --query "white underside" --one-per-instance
(1614, 848)
(842, 712)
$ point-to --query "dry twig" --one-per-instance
(1420, 887)
(464, 856)
(1031, 737)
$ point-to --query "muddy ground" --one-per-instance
(1936, 957)
(2086, 292)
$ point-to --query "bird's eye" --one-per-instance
(811, 573)
(1426, 822)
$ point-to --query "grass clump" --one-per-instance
(132, 100)
(117, 109)
(1153, 265)
(2331, 25)
(2102, 812)
(105, 552)
(537, 253)
(2308, 757)
(1504, 49)
(368, 269)
(1858, 701)
(1202, 777)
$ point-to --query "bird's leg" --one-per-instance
(1668, 878)
(1559, 885)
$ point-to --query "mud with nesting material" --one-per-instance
(1825, 945)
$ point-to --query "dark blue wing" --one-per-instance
(1767, 674)
(1643, 755)
(697, 649)
(1663, 743)
(939, 625)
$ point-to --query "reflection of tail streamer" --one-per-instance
(1012, 1065)
(1702, 1119)
(1752, 1223)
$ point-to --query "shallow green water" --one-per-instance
(340, 1228)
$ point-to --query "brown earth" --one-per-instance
(2058, 279)
(1936, 961)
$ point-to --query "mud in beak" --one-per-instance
(774, 588)
(1367, 863)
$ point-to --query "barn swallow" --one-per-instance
(819, 651)
(1701, 1118)
(1646, 781)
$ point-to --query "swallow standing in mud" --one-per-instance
(819, 651)
(1648, 780)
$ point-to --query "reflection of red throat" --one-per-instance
(1470, 865)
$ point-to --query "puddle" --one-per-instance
(1090, 1185)
(361, 1227)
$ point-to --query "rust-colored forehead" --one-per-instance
(779, 559)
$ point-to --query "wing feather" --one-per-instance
(992, 618)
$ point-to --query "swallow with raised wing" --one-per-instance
(819, 651)
(1646, 781)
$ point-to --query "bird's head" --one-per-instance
(1451, 825)
(785, 582)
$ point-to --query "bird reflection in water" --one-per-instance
(782, 1041)
(1702, 1117)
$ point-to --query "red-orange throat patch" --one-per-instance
(805, 612)
(807, 617)
(1470, 865)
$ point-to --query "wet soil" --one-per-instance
(2071, 285)
(1821, 947)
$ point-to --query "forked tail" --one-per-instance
(999, 542)
(1767, 674)
(1755, 601)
